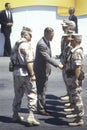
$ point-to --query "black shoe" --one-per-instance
(44, 113)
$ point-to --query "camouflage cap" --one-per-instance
(26, 30)
(76, 37)
(70, 24)
(64, 24)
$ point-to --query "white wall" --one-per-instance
(38, 18)
(82, 23)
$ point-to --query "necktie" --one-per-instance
(48, 44)
(8, 14)
(49, 48)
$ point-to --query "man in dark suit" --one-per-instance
(6, 21)
(72, 17)
(42, 68)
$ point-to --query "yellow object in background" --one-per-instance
(63, 5)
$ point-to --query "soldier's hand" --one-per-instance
(9, 24)
(77, 82)
(33, 78)
(60, 65)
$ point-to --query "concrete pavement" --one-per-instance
(56, 88)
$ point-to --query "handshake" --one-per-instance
(61, 66)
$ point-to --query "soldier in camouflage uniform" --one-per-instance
(24, 79)
(74, 78)
(68, 28)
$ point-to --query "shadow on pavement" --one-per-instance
(55, 107)
(5, 119)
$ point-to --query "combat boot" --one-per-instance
(71, 116)
(69, 109)
(31, 119)
(77, 122)
(67, 104)
(64, 98)
(75, 113)
(17, 118)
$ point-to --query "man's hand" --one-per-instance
(9, 24)
(60, 65)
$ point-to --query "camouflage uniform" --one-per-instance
(65, 48)
(21, 77)
(74, 60)
(68, 28)
(64, 57)
(24, 79)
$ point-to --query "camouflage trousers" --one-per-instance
(75, 94)
(23, 85)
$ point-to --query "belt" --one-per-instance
(20, 66)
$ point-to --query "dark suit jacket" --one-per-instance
(43, 60)
(74, 18)
(3, 21)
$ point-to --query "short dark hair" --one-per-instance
(6, 4)
(71, 9)
(48, 30)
